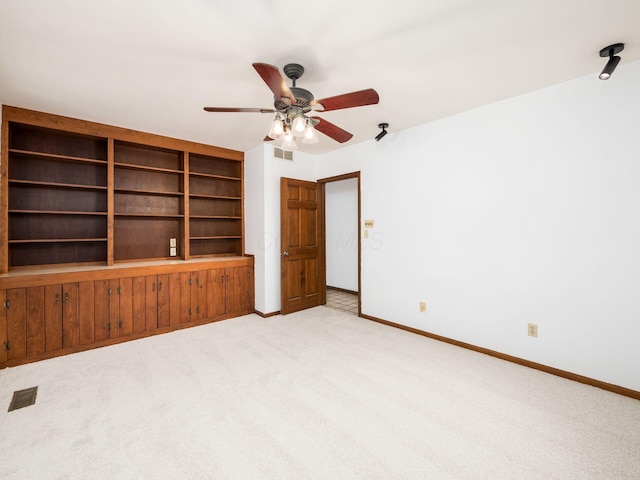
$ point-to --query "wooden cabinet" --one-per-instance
(58, 313)
(80, 193)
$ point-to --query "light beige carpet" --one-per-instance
(318, 394)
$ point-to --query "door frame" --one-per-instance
(323, 240)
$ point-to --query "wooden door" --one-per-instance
(3, 327)
(53, 317)
(151, 303)
(216, 294)
(86, 312)
(125, 317)
(240, 290)
(138, 294)
(16, 310)
(199, 295)
(102, 317)
(70, 326)
(35, 321)
(164, 307)
(300, 251)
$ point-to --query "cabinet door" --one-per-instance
(139, 300)
(185, 297)
(53, 317)
(3, 327)
(151, 302)
(216, 292)
(164, 318)
(125, 319)
(240, 290)
(175, 298)
(70, 326)
(199, 295)
(102, 306)
(114, 308)
(86, 312)
(35, 321)
(16, 323)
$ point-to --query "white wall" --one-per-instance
(262, 205)
(341, 214)
(522, 211)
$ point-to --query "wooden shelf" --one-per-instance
(57, 185)
(219, 237)
(148, 192)
(58, 240)
(213, 217)
(54, 156)
(57, 212)
(216, 197)
(119, 195)
(146, 168)
(220, 177)
(148, 215)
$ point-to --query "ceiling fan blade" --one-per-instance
(348, 100)
(331, 130)
(267, 139)
(232, 109)
(273, 79)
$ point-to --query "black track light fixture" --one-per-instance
(611, 51)
(384, 127)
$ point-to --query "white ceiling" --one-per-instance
(152, 65)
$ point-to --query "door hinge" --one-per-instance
(6, 304)
(118, 290)
(119, 323)
(109, 291)
(6, 346)
(189, 282)
(108, 326)
(197, 310)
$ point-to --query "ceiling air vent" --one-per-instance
(284, 154)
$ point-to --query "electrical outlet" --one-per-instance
(172, 251)
(423, 307)
(173, 242)
(532, 329)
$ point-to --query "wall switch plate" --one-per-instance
(173, 251)
(423, 307)
(172, 242)
(532, 329)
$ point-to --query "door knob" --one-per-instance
(285, 254)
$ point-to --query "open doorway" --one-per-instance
(341, 252)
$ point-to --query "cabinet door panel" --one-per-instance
(164, 319)
(86, 312)
(16, 323)
(199, 295)
(185, 297)
(101, 312)
(52, 317)
(35, 320)
(175, 296)
(126, 307)
(151, 302)
(139, 289)
(114, 308)
(216, 292)
(70, 328)
(3, 327)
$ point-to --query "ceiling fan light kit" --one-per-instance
(292, 106)
(612, 52)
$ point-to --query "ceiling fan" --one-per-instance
(292, 106)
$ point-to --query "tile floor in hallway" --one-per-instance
(344, 301)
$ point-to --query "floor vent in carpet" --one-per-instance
(23, 398)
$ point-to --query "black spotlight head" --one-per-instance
(614, 60)
(383, 126)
